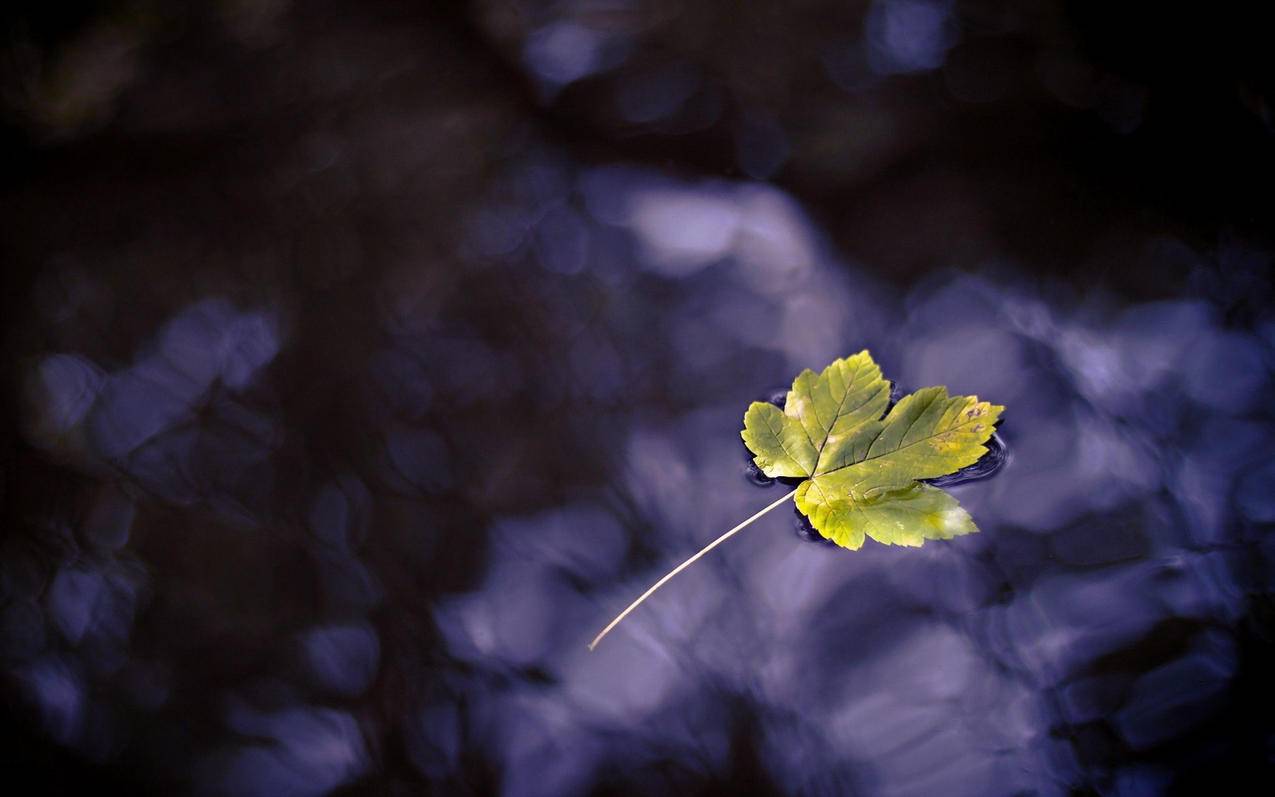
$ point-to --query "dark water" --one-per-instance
(366, 359)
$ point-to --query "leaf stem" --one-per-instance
(683, 566)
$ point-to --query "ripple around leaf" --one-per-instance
(805, 530)
(988, 465)
(754, 474)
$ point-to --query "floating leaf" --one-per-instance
(862, 473)
(861, 470)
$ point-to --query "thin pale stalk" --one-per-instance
(683, 566)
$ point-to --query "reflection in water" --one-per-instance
(1102, 594)
(349, 524)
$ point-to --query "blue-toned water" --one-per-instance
(342, 426)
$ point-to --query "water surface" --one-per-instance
(355, 396)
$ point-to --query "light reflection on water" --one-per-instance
(335, 503)
(1095, 613)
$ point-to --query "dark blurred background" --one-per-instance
(363, 359)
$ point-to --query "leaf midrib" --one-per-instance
(900, 448)
(783, 444)
(835, 417)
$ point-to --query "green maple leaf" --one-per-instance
(861, 467)
(861, 471)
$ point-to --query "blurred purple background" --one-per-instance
(364, 359)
